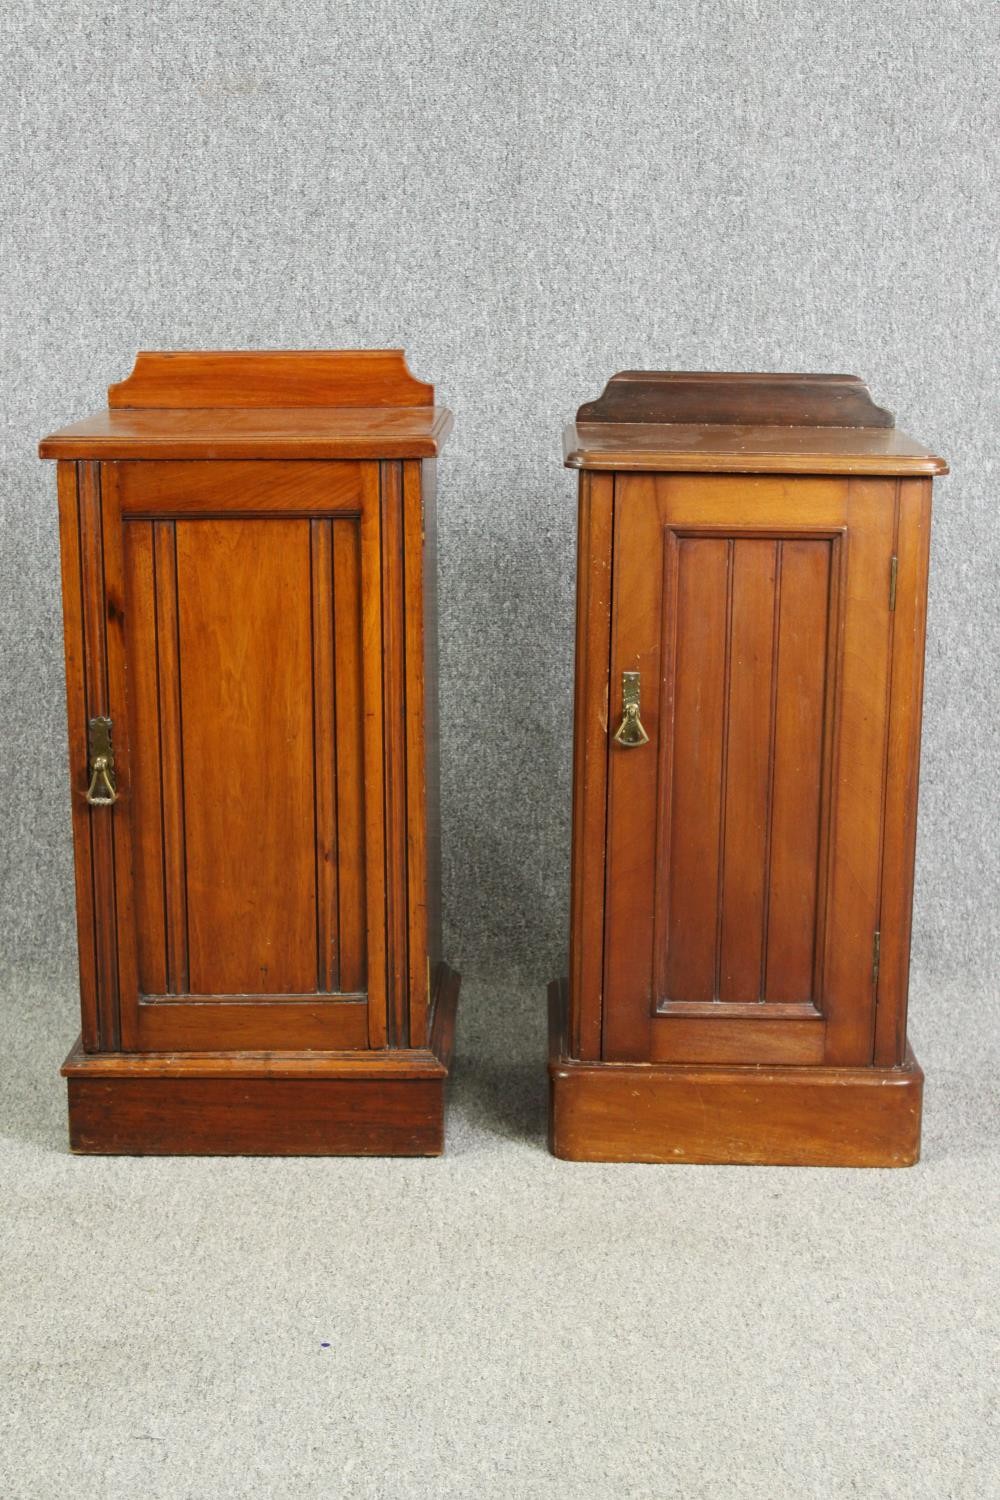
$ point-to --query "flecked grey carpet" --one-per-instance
(497, 1323)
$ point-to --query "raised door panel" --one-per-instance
(247, 838)
(744, 837)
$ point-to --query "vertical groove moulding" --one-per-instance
(416, 722)
(395, 751)
(324, 754)
(172, 766)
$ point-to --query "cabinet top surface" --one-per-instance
(254, 432)
(741, 423)
(321, 403)
(725, 449)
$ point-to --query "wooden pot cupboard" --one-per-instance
(248, 561)
(752, 589)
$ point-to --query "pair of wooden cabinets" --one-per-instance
(248, 570)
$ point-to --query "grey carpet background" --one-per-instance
(500, 1324)
(527, 197)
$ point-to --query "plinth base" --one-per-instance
(265, 1104)
(763, 1116)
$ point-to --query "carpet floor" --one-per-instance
(497, 1323)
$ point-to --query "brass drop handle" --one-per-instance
(630, 732)
(102, 791)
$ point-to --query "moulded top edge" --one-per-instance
(717, 448)
(253, 432)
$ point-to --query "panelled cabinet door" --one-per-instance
(244, 685)
(744, 835)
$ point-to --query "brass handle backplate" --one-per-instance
(103, 790)
(630, 732)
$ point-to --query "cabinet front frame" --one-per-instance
(389, 511)
(879, 1036)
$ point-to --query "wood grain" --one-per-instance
(848, 994)
(76, 721)
(218, 1063)
(632, 774)
(394, 720)
(728, 1039)
(902, 769)
(416, 732)
(427, 594)
(101, 819)
(751, 652)
(325, 757)
(712, 397)
(172, 757)
(352, 918)
(251, 880)
(267, 1103)
(291, 434)
(791, 867)
(141, 657)
(239, 488)
(373, 756)
(270, 378)
(244, 1116)
(252, 1021)
(707, 449)
(789, 1115)
(590, 764)
(123, 936)
(703, 579)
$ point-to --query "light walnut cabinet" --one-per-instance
(248, 577)
(752, 588)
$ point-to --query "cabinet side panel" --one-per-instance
(903, 769)
(860, 741)
(590, 763)
(432, 711)
(76, 721)
(394, 718)
(373, 707)
(416, 774)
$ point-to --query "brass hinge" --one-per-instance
(876, 954)
(893, 570)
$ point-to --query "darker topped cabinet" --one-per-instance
(751, 603)
(248, 575)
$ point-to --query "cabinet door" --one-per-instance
(744, 837)
(243, 662)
